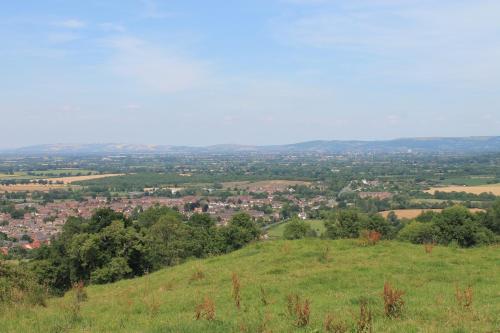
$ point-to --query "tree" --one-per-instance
(240, 231)
(491, 219)
(296, 229)
(27, 238)
(103, 217)
(377, 223)
(459, 224)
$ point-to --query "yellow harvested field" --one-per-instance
(45, 188)
(31, 187)
(265, 185)
(493, 188)
(412, 213)
(72, 179)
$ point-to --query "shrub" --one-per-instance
(418, 232)
(369, 237)
(393, 301)
(428, 247)
(464, 297)
(296, 229)
(299, 310)
(117, 269)
(332, 325)
(236, 290)
(197, 275)
(324, 256)
(205, 310)
(19, 285)
(365, 321)
(263, 297)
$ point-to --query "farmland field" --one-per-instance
(16, 175)
(57, 172)
(72, 179)
(31, 187)
(47, 187)
(413, 213)
(468, 181)
(265, 185)
(492, 188)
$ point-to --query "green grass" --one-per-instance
(16, 175)
(468, 181)
(57, 172)
(165, 301)
(277, 231)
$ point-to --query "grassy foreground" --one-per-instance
(333, 281)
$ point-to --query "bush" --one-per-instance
(19, 285)
(418, 232)
(116, 269)
(296, 229)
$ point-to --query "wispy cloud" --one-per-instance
(62, 37)
(449, 40)
(71, 24)
(113, 27)
(153, 10)
(155, 67)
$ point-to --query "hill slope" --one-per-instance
(418, 145)
(165, 301)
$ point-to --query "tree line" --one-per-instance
(453, 225)
(110, 246)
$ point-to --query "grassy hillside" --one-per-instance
(334, 281)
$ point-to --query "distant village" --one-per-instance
(44, 221)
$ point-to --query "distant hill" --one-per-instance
(332, 275)
(404, 145)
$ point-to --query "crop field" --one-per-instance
(57, 172)
(491, 188)
(16, 175)
(413, 213)
(66, 181)
(265, 185)
(335, 277)
(31, 187)
(72, 179)
(468, 181)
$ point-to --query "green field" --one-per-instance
(277, 231)
(16, 175)
(46, 173)
(70, 172)
(468, 180)
(333, 280)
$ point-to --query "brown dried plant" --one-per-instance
(236, 290)
(393, 301)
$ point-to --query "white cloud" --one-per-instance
(154, 67)
(71, 24)
(422, 40)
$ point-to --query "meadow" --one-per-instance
(413, 213)
(491, 188)
(289, 286)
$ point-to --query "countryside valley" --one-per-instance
(72, 224)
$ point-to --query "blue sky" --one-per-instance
(249, 72)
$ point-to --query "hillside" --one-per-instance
(165, 301)
(458, 145)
